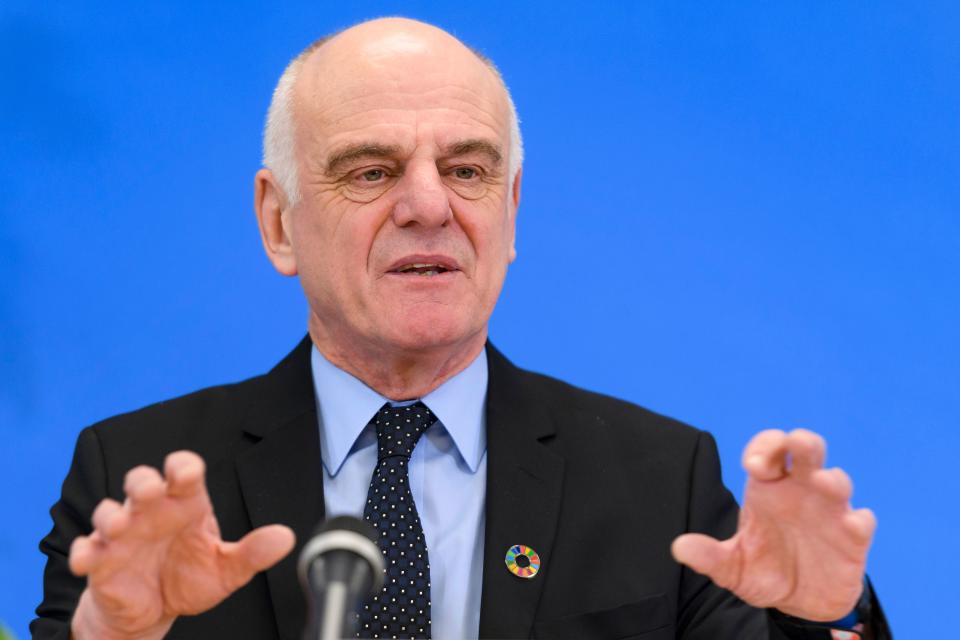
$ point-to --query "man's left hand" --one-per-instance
(799, 547)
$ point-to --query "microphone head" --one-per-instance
(339, 537)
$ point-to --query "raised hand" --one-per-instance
(799, 546)
(159, 555)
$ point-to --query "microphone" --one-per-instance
(339, 567)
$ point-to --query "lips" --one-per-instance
(424, 266)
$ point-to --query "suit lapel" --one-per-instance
(524, 488)
(281, 476)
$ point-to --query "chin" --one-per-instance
(423, 331)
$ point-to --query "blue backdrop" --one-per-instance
(743, 216)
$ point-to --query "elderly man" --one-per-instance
(508, 504)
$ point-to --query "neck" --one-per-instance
(398, 374)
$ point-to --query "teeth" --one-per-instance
(433, 268)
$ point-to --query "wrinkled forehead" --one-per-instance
(401, 76)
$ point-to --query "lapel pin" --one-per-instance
(839, 634)
(522, 561)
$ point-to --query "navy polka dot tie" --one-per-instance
(402, 609)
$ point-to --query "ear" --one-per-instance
(270, 203)
(514, 206)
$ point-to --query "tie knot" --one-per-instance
(399, 428)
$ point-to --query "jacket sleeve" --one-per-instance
(83, 489)
(708, 612)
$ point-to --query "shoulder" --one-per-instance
(583, 415)
(195, 408)
(622, 463)
(217, 422)
(197, 421)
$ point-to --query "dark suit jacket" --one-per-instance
(599, 487)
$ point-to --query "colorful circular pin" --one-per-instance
(522, 561)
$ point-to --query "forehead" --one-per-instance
(400, 88)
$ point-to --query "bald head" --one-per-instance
(392, 53)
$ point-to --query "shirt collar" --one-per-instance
(345, 405)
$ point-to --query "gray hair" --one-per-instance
(278, 133)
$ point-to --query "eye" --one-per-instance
(372, 175)
(465, 173)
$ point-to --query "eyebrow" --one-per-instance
(478, 145)
(344, 156)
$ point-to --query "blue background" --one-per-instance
(743, 216)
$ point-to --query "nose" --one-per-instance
(423, 198)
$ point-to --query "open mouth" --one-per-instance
(422, 269)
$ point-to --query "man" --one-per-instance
(509, 504)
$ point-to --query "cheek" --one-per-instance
(337, 236)
(490, 232)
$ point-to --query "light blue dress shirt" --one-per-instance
(448, 475)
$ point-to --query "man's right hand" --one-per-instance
(159, 555)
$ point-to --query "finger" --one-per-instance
(834, 483)
(110, 518)
(765, 456)
(807, 451)
(258, 550)
(144, 487)
(82, 556)
(708, 556)
(861, 523)
(184, 471)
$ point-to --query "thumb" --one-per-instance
(714, 559)
(258, 550)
